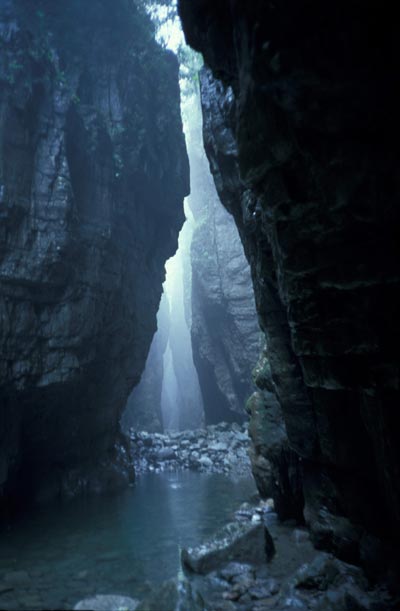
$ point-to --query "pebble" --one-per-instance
(259, 591)
(235, 569)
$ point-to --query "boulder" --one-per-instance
(237, 541)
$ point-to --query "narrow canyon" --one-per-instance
(199, 297)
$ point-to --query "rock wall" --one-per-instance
(93, 171)
(225, 330)
(301, 130)
(143, 409)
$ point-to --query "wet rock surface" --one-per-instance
(219, 448)
(236, 542)
(93, 172)
(297, 576)
(301, 133)
(225, 330)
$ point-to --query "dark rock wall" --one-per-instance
(93, 171)
(225, 330)
(143, 409)
(276, 466)
(313, 115)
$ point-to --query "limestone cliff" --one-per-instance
(302, 135)
(93, 171)
(225, 330)
(143, 409)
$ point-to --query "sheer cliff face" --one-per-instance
(224, 328)
(143, 409)
(310, 126)
(93, 171)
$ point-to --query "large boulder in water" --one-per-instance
(237, 541)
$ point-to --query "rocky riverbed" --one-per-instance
(256, 563)
(291, 575)
(219, 448)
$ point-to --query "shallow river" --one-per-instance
(63, 553)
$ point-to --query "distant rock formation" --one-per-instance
(225, 329)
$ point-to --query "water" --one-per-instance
(63, 553)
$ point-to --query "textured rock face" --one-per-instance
(235, 542)
(93, 171)
(275, 465)
(143, 409)
(306, 113)
(225, 329)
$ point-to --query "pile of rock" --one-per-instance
(219, 448)
(257, 564)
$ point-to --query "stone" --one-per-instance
(264, 589)
(293, 602)
(273, 586)
(165, 454)
(107, 602)
(235, 569)
(242, 437)
(231, 595)
(237, 541)
(218, 447)
(325, 570)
